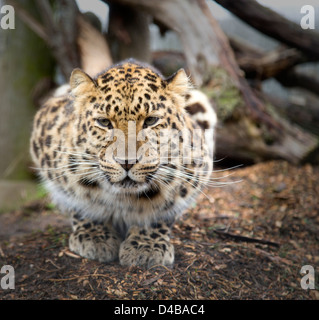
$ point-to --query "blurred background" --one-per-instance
(253, 59)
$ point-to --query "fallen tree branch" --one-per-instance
(263, 65)
(245, 239)
(278, 63)
(255, 107)
(274, 25)
(294, 78)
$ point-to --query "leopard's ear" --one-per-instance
(179, 82)
(81, 82)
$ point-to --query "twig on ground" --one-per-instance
(245, 239)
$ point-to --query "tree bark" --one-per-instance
(24, 61)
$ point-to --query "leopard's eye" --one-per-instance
(103, 122)
(150, 121)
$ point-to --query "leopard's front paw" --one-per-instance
(95, 243)
(147, 247)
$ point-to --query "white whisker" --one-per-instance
(209, 181)
(194, 186)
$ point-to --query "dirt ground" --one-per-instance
(243, 240)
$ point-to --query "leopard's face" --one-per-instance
(123, 117)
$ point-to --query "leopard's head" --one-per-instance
(121, 115)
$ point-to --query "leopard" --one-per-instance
(122, 202)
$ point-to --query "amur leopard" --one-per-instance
(111, 154)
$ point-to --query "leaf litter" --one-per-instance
(245, 240)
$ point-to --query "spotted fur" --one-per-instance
(122, 207)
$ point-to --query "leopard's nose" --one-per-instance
(126, 164)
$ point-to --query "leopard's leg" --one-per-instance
(147, 246)
(94, 240)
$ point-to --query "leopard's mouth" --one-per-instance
(127, 182)
(131, 186)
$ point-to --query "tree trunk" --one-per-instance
(24, 60)
(61, 29)
(129, 35)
